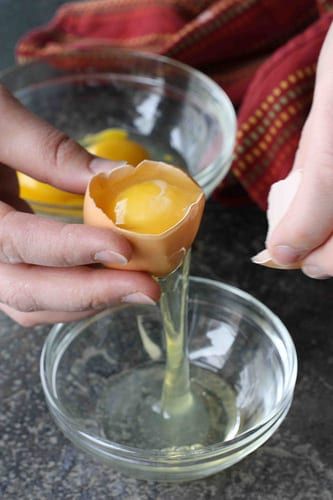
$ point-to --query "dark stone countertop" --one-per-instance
(38, 462)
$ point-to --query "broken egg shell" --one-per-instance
(264, 258)
(158, 254)
(280, 198)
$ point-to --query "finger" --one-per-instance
(30, 288)
(319, 263)
(32, 319)
(40, 241)
(33, 146)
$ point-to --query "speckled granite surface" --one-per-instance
(37, 462)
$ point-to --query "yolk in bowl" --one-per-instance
(114, 144)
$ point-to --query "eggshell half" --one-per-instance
(158, 254)
(280, 198)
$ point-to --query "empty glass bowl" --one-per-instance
(231, 335)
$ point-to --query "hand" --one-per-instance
(305, 233)
(45, 275)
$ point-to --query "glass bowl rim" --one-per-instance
(212, 174)
(159, 456)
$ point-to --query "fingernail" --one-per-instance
(110, 257)
(138, 298)
(315, 272)
(100, 165)
(285, 254)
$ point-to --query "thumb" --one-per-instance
(308, 222)
(33, 146)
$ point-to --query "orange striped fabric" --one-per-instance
(262, 54)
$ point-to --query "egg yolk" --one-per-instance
(119, 149)
(33, 190)
(150, 207)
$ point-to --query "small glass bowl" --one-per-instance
(231, 334)
(177, 113)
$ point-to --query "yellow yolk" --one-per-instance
(33, 190)
(149, 207)
(118, 149)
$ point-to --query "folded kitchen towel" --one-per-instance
(262, 52)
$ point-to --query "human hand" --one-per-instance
(304, 237)
(45, 275)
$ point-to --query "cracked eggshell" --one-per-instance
(158, 254)
(280, 198)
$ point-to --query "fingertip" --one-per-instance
(135, 284)
(125, 247)
(150, 286)
(138, 298)
(119, 252)
(106, 246)
(110, 257)
(315, 272)
(100, 165)
(285, 254)
(156, 291)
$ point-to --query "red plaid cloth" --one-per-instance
(262, 52)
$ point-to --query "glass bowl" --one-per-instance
(231, 335)
(177, 113)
